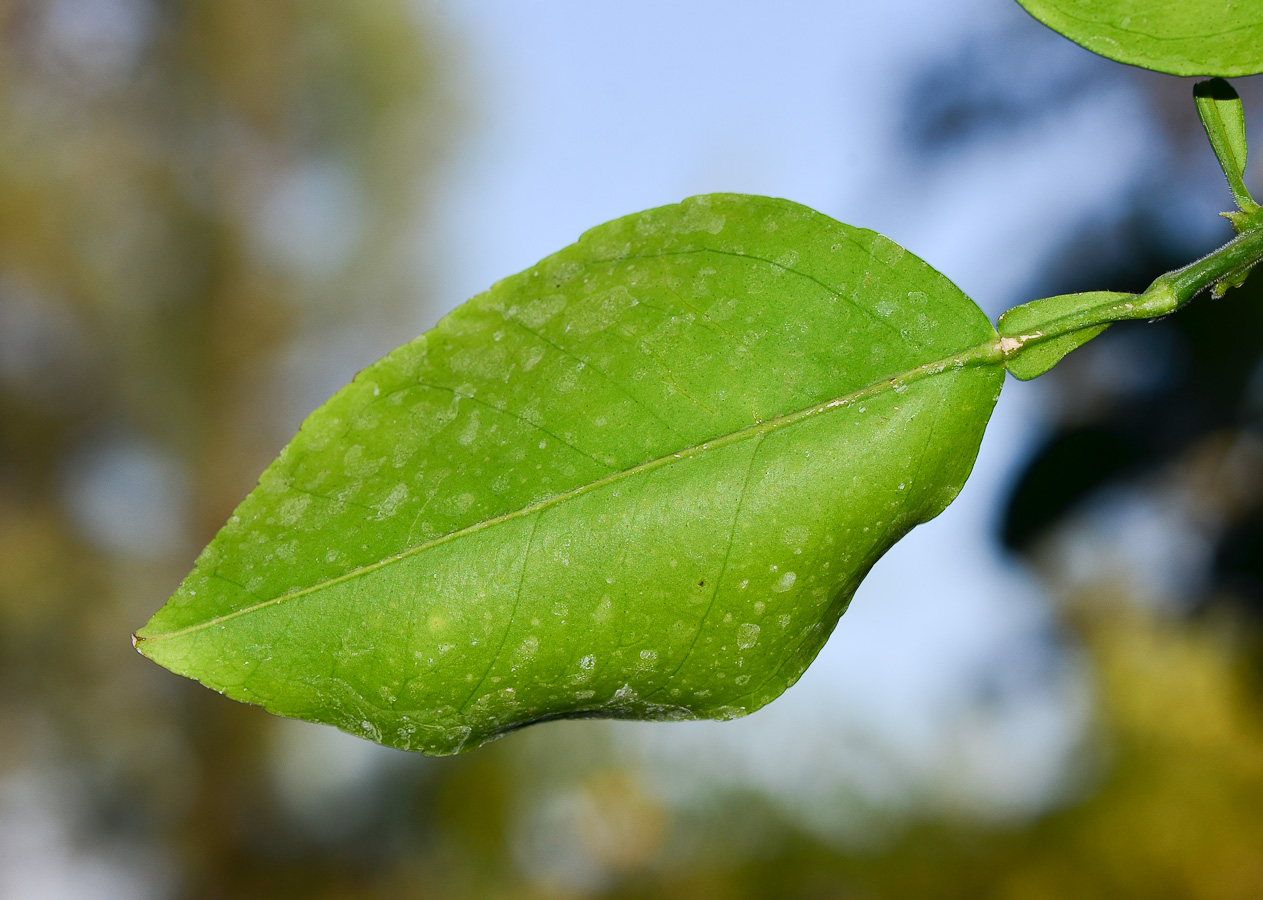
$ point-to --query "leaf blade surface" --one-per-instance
(1191, 37)
(1223, 117)
(582, 493)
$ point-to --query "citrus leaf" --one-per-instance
(641, 479)
(1224, 120)
(1188, 37)
(1220, 110)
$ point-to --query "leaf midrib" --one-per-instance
(983, 353)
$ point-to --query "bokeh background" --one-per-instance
(213, 212)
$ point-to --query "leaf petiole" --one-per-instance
(1220, 269)
(1036, 335)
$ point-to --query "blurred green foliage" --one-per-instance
(189, 191)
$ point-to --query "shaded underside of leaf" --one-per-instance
(640, 479)
(1190, 37)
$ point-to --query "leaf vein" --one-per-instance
(508, 412)
(723, 568)
(986, 353)
(517, 600)
(606, 375)
(832, 291)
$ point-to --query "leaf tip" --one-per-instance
(143, 643)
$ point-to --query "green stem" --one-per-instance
(1229, 262)
(1168, 292)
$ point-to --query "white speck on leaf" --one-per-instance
(795, 535)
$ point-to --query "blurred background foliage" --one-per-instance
(207, 215)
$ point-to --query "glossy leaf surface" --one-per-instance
(1186, 37)
(641, 479)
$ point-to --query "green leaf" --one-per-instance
(1185, 37)
(1031, 339)
(641, 479)
(1220, 110)
(1219, 107)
